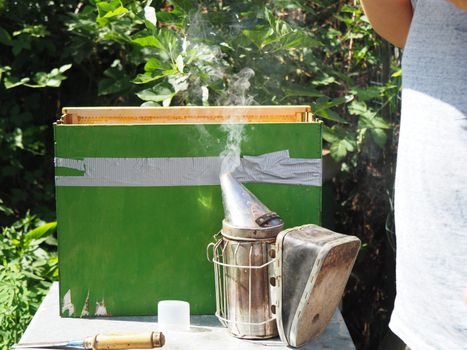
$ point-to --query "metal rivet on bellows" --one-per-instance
(273, 309)
(272, 281)
(272, 253)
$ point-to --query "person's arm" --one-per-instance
(390, 18)
(462, 4)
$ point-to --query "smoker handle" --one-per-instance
(213, 245)
(208, 256)
(125, 341)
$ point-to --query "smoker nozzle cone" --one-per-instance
(241, 207)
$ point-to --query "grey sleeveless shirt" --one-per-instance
(431, 182)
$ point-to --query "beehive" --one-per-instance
(137, 198)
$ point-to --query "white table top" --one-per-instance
(205, 333)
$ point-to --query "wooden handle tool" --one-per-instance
(120, 341)
(125, 341)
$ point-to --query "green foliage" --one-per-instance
(188, 53)
(33, 67)
(184, 52)
(28, 265)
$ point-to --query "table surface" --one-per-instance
(205, 332)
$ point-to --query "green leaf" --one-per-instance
(367, 117)
(342, 141)
(358, 108)
(150, 17)
(147, 78)
(325, 80)
(153, 64)
(150, 41)
(368, 93)
(373, 122)
(156, 94)
(5, 37)
(4, 69)
(18, 138)
(185, 5)
(64, 68)
(115, 80)
(325, 102)
(109, 9)
(108, 86)
(330, 115)
(38, 31)
(150, 104)
(52, 79)
(39, 232)
(361, 54)
(302, 91)
(116, 12)
(22, 42)
(338, 151)
(11, 82)
(379, 136)
(298, 39)
(258, 36)
(32, 276)
(51, 240)
(179, 63)
(329, 135)
(4, 209)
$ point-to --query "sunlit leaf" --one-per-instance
(11, 82)
(149, 40)
(150, 15)
(156, 94)
(109, 9)
(39, 232)
(4, 209)
(153, 64)
(379, 136)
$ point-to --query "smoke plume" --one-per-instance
(236, 96)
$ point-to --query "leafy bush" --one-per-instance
(185, 52)
(29, 264)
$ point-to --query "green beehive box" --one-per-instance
(138, 198)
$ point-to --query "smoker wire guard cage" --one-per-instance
(85, 118)
(329, 258)
(216, 253)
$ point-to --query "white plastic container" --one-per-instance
(173, 315)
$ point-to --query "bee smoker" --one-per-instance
(244, 260)
(271, 281)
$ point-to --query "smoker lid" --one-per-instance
(245, 215)
(314, 265)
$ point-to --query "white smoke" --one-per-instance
(234, 126)
(236, 93)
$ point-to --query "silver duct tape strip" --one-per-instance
(275, 167)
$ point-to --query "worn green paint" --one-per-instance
(134, 246)
(60, 171)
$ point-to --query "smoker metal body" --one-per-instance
(244, 259)
(287, 282)
(243, 292)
